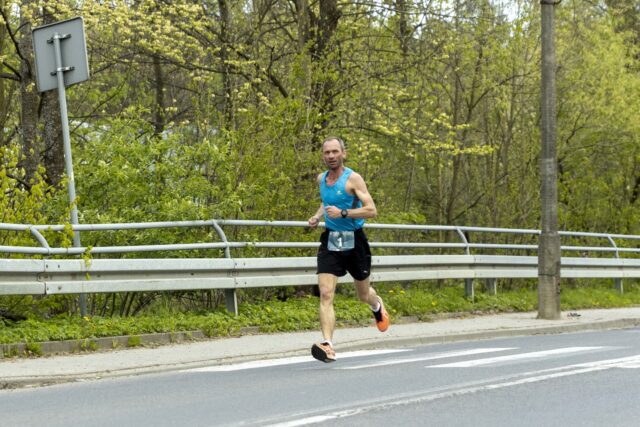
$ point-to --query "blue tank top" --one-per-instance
(336, 195)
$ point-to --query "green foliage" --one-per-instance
(601, 296)
(134, 341)
(22, 204)
(188, 116)
(597, 152)
(422, 302)
(33, 349)
(19, 204)
(193, 112)
(88, 345)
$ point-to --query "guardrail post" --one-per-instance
(230, 295)
(464, 239)
(468, 283)
(468, 289)
(619, 285)
(617, 280)
(231, 301)
(491, 286)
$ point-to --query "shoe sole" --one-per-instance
(321, 355)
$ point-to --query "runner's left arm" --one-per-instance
(359, 187)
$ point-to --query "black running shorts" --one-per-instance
(356, 261)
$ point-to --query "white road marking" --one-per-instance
(428, 357)
(289, 361)
(504, 382)
(512, 357)
(629, 362)
(306, 421)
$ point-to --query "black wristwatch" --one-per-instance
(344, 213)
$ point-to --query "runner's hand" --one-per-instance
(314, 221)
(333, 212)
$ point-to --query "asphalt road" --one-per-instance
(586, 379)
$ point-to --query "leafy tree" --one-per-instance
(215, 109)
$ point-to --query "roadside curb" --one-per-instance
(86, 345)
(121, 342)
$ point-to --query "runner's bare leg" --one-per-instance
(327, 283)
(366, 293)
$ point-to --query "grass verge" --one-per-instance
(298, 314)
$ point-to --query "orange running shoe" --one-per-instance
(323, 352)
(382, 317)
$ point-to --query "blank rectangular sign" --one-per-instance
(73, 51)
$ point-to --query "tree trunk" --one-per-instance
(28, 128)
(225, 24)
(323, 28)
(303, 24)
(159, 119)
(3, 97)
(53, 156)
(403, 27)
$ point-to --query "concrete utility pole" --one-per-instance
(549, 243)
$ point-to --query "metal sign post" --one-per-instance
(58, 68)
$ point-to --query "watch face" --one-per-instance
(344, 213)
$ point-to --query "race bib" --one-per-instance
(341, 241)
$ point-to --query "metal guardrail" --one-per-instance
(47, 276)
(461, 231)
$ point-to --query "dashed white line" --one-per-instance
(504, 382)
(437, 356)
(512, 357)
(288, 361)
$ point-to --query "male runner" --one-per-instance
(346, 203)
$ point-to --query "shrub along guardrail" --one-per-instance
(47, 270)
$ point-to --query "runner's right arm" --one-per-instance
(315, 220)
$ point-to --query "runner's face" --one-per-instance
(332, 154)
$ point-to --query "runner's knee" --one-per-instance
(326, 294)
